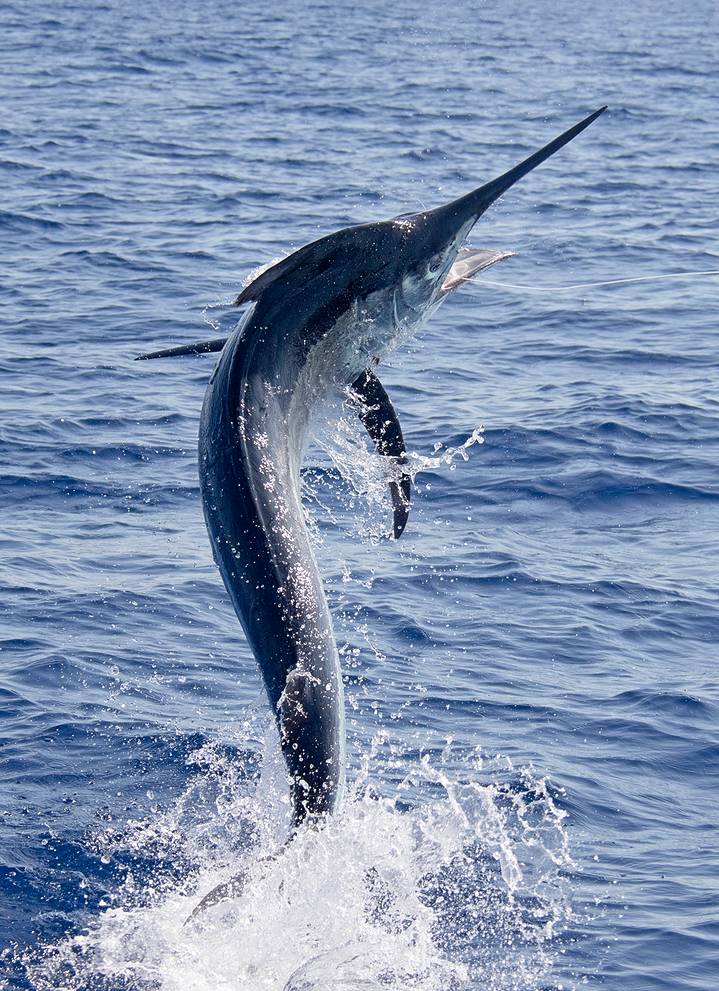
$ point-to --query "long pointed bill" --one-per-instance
(475, 203)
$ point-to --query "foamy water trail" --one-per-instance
(442, 871)
(461, 889)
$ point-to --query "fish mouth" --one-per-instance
(459, 217)
(468, 263)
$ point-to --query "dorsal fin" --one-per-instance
(282, 268)
(199, 347)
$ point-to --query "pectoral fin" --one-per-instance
(374, 408)
(378, 415)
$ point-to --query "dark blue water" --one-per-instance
(533, 709)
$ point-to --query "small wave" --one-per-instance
(110, 259)
(588, 489)
(11, 165)
(43, 485)
(128, 452)
(22, 222)
(674, 703)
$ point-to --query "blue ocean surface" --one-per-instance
(531, 671)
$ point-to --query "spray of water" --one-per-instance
(453, 880)
(360, 494)
(444, 870)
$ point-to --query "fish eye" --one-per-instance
(435, 264)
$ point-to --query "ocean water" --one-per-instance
(531, 672)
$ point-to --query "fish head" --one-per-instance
(432, 258)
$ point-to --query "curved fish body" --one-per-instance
(319, 320)
(252, 432)
(294, 347)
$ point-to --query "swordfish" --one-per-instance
(319, 320)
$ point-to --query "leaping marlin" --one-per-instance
(320, 319)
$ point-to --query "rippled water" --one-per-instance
(531, 671)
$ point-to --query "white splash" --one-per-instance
(441, 872)
(457, 890)
(341, 440)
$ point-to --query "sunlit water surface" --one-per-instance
(533, 710)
